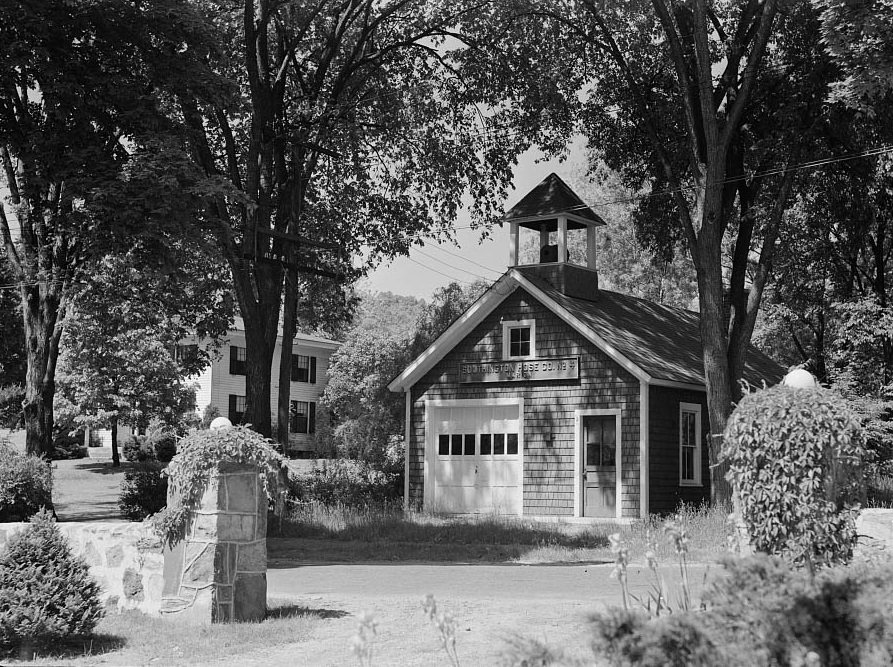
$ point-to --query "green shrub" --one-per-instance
(795, 461)
(11, 415)
(630, 638)
(777, 616)
(26, 484)
(46, 593)
(143, 491)
(164, 446)
(137, 449)
(347, 483)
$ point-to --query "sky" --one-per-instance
(436, 265)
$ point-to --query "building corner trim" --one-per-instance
(644, 424)
(407, 441)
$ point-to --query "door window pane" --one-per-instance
(499, 444)
(601, 441)
(485, 444)
(511, 447)
(456, 448)
(443, 445)
(469, 444)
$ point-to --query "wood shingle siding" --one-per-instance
(549, 428)
(663, 451)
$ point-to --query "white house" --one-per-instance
(222, 384)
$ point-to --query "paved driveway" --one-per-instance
(493, 606)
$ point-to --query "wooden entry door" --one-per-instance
(599, 466)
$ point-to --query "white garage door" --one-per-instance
(476, 454)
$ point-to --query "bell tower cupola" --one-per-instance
(552, 237)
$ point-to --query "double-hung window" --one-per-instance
(236, 408)
(303, 368)
(689, 444)
(519, 339)
(238, 356)
(303, 417)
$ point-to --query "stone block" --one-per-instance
(132, 584)
(214, 496)
(236, 528)
(114, 555)
(250, 597)
(223, 612)
(204, 527)
(198, 565)
(92, 555)
(225, 563)
(241, 491)
(224, 593)
(173, 569)
(252, 557)
(876, 523)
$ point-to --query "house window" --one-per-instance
(303, 417)
(689, 444)
(303, 368)
(236, 408)
(237, 360)
(519, 339)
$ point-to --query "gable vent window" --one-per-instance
(519, 339)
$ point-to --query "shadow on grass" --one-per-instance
(70, 648)
(99, 467)
(296, 611)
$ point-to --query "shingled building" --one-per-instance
(552, 397)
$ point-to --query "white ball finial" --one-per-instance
(800, 378)
(220, 422)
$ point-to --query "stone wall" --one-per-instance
(218, 573)
(125, 558)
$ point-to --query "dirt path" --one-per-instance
(87, 489)
(493, 605)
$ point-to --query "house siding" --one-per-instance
(216, 383)
(549, 407)
(665, 492)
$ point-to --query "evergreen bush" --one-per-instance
(26, 484)
(46, 593)
(164, 446)
(143, 491)
(795, 461)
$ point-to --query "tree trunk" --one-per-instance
(288, 338)
(259, 346)
(41, 318)
(116, 458)
(714, 339)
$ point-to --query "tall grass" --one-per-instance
(405, 535)
(880, 492)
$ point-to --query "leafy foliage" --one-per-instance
(366, 418)
(795, 458)
(143, 491)
(46, 593)
(200, 454)
(11, 406)
(760, 612)
(347, 483)
(26, 484)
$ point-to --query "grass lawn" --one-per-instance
(319, 533)
(133, 638)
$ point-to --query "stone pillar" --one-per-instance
(218, 573)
